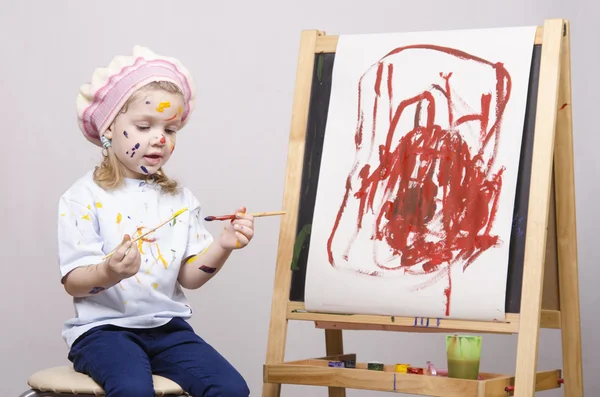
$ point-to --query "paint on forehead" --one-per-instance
(147, 102)
(162, 106)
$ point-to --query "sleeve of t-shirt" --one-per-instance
(199, 238)
(79, 241)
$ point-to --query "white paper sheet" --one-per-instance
(423, 189)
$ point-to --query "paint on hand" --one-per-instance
(144, 169)
(206, 269)
(125, 133)
(238, 244)
(301, 242)
(163, 140)
(162, 106)
(96, 290)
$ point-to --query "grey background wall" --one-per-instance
(243, 56)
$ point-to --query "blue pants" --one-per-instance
(122, 361)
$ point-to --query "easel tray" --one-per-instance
(317, 372)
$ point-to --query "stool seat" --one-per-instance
(65, 379)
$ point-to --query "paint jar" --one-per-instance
(375, 366)
(464, 354)
(402, 368)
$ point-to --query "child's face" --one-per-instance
(143, 137)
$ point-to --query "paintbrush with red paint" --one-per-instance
(233, 216)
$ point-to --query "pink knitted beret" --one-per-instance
(99, 100)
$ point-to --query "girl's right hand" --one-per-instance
(125, 262)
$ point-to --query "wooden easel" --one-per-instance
(550, 259)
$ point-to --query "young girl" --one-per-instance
(130, 309)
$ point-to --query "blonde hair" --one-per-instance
(110, 174)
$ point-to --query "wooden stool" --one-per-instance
(66, 382)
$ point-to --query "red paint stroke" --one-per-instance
(163, 140)
(564, 106)
(428, 194)
(172, 118)
(146, 239)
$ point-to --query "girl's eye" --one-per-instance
(142, 128)
(170, 131)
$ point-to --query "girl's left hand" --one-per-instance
(238, 232)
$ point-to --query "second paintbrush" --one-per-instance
(233, 216)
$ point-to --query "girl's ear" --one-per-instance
(108, 132)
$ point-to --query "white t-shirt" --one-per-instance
(92, 222)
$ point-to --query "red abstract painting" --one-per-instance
(426, 192)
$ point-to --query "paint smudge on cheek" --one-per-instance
(133, 149)
(144, 169)
(162, 106)
(172, 148)
(126, 134)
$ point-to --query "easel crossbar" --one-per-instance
(297, 311)
(328, 44)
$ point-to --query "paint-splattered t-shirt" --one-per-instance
(92, 222)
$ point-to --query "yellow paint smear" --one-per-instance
(86, 217)
(162, 106)
(154, 285)
(98, 205)
(119, 218)
(192, 259)
(162, 259)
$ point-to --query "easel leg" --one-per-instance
(567, 232)
(535, 246)
(334, 345)
(283, 274)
